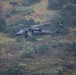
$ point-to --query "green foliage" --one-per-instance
(1, 73)
(58, 4)
(13, 71)
(69, 9)
(30, 2)
(55, 4)
(1, 9)
(33, 1)
(74, 73)
(73, 1)
(27, 50)
(26, 3)
(18, 39)
(32, 39)
(14, 28)
(26, 22)
(60, 73)
(73, 22)
(71, 47)
(66, 15)
(2, 24)
(13, 12)
(64, 31)
(13, 3)
(7, 15)
(24, 11)
(42, 73)
(42, 49)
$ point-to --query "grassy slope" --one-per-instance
(5, 39)
(52, 61)
(41, 14)
(40, 63)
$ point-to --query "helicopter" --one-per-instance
(37, 31)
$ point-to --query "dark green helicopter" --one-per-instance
(38, 31)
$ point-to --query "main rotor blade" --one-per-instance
(37, 25)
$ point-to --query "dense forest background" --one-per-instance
(37, 55)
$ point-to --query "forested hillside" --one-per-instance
(37, 55)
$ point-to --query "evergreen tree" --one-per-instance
(2, 24)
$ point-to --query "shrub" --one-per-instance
(1, 73)
(27, 50)
(2, 24)
(40, 73)
(69, 9)
(73, 22)
(66, 15)
(68, 66)
(60, 73)
(18, 39)
(33, 1)
(1, 9)
(13, 12)
(26, 4)
(30, 2)
(73, 1)
(71, 47)
(32, 39)
(7, 15)
(10, 13)
(58, 4)
(14, 28)
(13, 3)
(42, 49)
(24, 11)
(64, 31)
(26, 22)
(13, 71)
(54, 4)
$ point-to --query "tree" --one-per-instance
(73, 1)
(42, 49)
(30, 2)
(33, 1)
(60, 72)
(2, 24)
(54, 4)
(58, 4)
(13, 71)
(27, 50)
